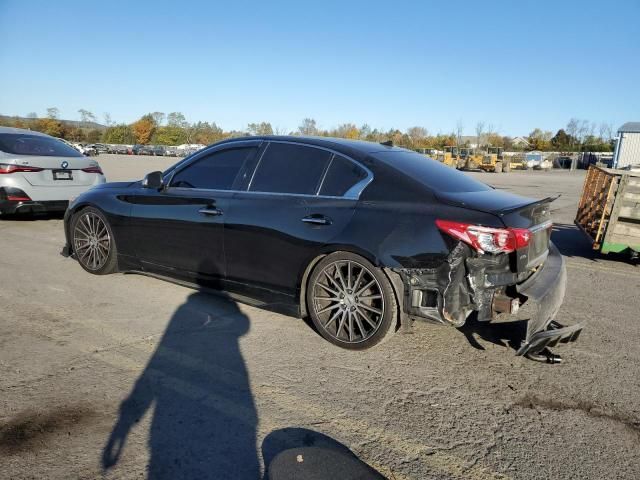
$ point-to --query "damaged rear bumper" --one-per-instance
(544, 294)
(554, 334)
(449, 293)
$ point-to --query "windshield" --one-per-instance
(431, 173)
(37, 145)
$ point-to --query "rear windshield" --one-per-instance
(431, 173)
(25, 144)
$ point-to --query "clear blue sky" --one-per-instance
(513, 64)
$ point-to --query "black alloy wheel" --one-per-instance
(350, 301)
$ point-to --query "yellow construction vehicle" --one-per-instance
(516, 162)
(471, 159)
(493, 161)
(449, 157)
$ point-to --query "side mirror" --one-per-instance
(153, 180)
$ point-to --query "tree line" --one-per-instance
(158, 128)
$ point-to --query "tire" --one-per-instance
(93, 242)
(351, 302)
(498, 167)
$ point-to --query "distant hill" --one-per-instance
(69, 123)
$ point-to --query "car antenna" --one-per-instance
(388, 143)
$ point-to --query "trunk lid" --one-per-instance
(72, 165)
(515, 211)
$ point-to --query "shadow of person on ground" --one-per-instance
(290, 453)
(204, 418)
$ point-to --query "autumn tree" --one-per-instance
(561, 140)
(177, 119)
(169, 135)
(158, 118)
(347, 130)
(458, 132)
(572, 130)
(262, 128)
(539, 139)
(417, 136)
(143, 129)
(479, 133)
(50, 126)
(308, 127)
(494, 139)
(53, 112)
(77, 135)
(94, 135)
(86, 116)
(118, 134)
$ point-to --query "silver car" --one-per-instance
(39, 173)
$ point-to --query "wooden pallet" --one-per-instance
(609, 209)
(596, 203)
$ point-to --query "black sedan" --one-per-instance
(363, 238)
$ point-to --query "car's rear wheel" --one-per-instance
(93, 242)
(351, 302)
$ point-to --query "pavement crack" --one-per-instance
(534, 402)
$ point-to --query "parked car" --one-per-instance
(360, 237)
(39, 173)
(119, 149)
(170, 151)
(147, 150)
(101, 148)
(137, 150)
(157, 150)
(90, 150)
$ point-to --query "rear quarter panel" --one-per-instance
(404, 234)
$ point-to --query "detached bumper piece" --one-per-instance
(537, 348)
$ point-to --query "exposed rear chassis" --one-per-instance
(467, 283)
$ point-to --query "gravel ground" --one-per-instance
(125, 376)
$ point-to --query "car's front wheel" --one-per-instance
(93, 242)
(350, 301)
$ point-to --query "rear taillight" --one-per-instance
(13, 195)
(95, 169)
(486, 239)
(11, 168)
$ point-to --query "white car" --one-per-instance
(39, 173)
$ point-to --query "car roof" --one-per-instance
(353, 148)
(21, 131)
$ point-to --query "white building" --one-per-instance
(628, 145)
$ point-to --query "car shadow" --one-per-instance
(508, 334)
(32, 217)
(196, 388)
(572, 242)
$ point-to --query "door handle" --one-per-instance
(210, 211)
(317, 220)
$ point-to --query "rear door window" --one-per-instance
(35, 145)
(216, 171)
(341, 176)
(289, 168)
